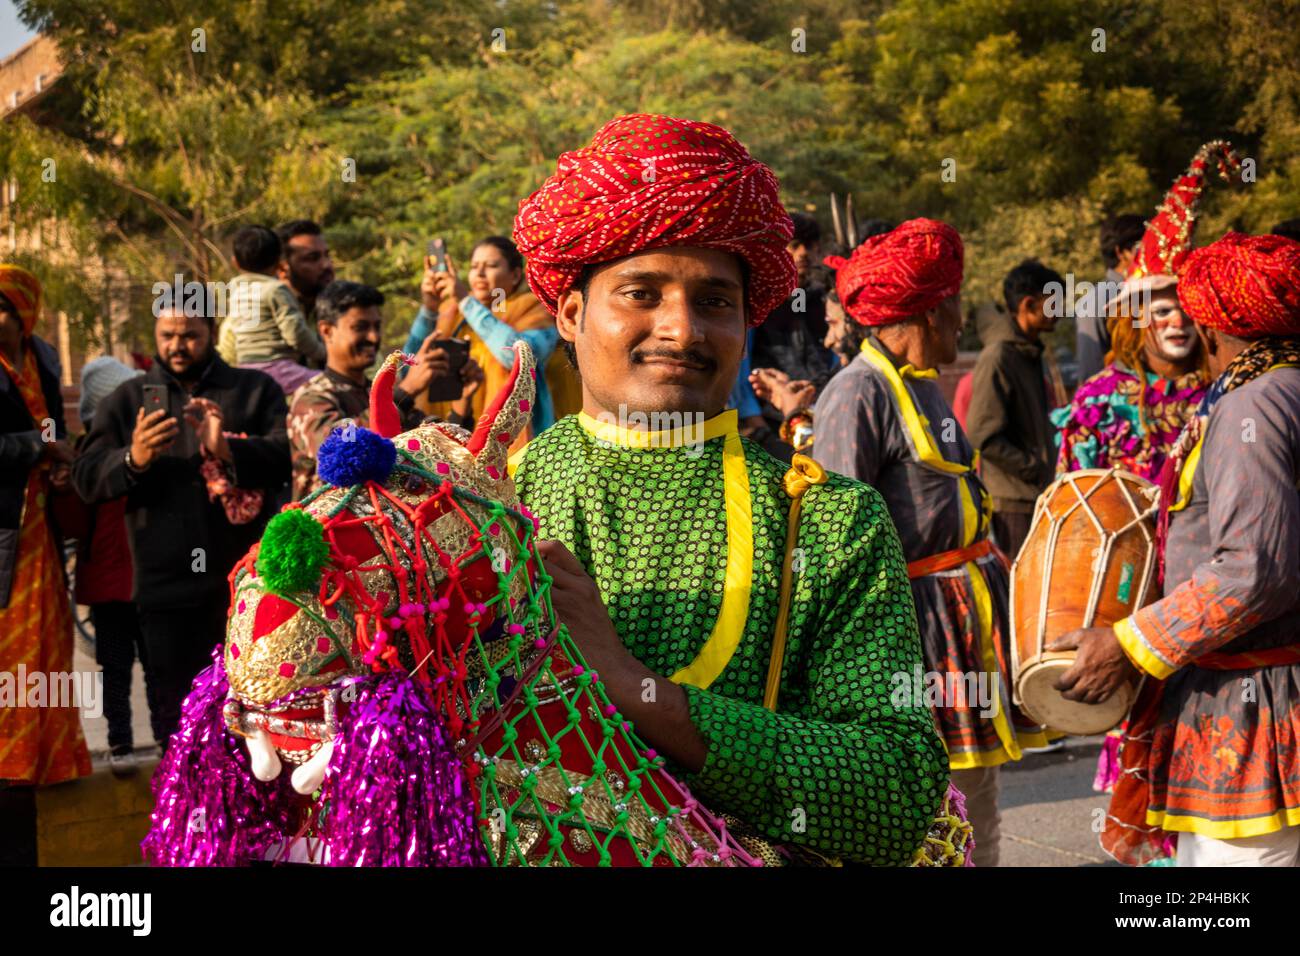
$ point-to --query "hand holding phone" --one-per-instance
(437, 250)
(443, 379)
(155, 430)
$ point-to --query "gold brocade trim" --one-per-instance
(752, 843)
(597, 809)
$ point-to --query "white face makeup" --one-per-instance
(1171, 333)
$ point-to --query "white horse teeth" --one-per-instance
(307, 778)
(261, 752)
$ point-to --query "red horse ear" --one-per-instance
(383, 410)
(510, 412)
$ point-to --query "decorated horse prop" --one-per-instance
(392, 639)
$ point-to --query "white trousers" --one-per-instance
(1279, 848)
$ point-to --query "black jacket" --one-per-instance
(1008, 420)
(792, 341)
(21, 449)
(168, 511)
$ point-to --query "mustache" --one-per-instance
(687, 356)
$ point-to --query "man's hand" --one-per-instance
(471, 378)
(60, 455)
(655, 704)
(204, 416)
(59, 452)
(153, 434)
(1099, 669)
(577, 603)
(773, 385)
(763, 380)
(430, 363)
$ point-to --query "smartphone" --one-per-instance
(437, 250)
(155, 398)
(447, 388)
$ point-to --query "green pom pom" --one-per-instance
(293, 552)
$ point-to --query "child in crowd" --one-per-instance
(265, 327)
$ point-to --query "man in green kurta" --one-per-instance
(748, 618)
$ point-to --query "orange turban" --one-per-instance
(900, 273)
(649, 182)
(1246, 286)
(23, 290)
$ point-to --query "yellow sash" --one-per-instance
(927, 452)
(738, 580)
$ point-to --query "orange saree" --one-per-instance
(39, 743)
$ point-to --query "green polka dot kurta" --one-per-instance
(838, 767)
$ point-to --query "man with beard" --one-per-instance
(747, 617)
(351, 326)
(198, 492)
(1210, 751)
(306, 264)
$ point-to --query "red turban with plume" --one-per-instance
(1246, 286)
(23, 290)
(1168, 236)
(647, 182)
(900, 273)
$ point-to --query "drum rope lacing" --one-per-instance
(1102, 554)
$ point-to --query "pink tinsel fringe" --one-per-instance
(395, 793)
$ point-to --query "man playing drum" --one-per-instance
(883, 420)
(1210, 751)
(1129, 414)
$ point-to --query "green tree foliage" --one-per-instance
(405, 119)
(451, 152)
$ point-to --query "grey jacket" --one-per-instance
(1007, 421)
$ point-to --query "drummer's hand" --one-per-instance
(1099, 669)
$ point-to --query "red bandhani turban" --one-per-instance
(901, 273)
(23, 290)
(1246, 286)
(647, 182)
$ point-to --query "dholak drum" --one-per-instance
(1089, 561)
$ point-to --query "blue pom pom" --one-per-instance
(350, 456)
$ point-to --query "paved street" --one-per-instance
(1049, 808)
